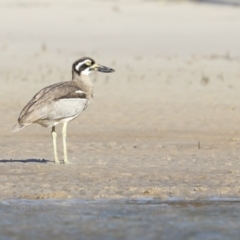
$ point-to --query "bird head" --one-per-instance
(86, 65)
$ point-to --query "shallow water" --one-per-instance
(120, 219)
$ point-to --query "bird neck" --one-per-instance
(83, 82)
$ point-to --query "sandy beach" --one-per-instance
(165, 124)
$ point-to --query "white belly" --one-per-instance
(66, 110)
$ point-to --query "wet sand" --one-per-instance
(165, 124)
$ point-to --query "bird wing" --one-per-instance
(43, 102)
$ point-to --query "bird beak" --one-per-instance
(101, 68)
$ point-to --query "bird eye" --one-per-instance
(88, 63)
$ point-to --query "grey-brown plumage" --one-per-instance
(43, 107)
(61, 102)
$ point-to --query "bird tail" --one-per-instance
(18, 127)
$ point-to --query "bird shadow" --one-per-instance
(25, 161)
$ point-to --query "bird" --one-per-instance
(61, 102)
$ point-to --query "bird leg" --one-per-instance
(54, 136)
(64, 135)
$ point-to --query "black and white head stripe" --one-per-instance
(82, 64)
